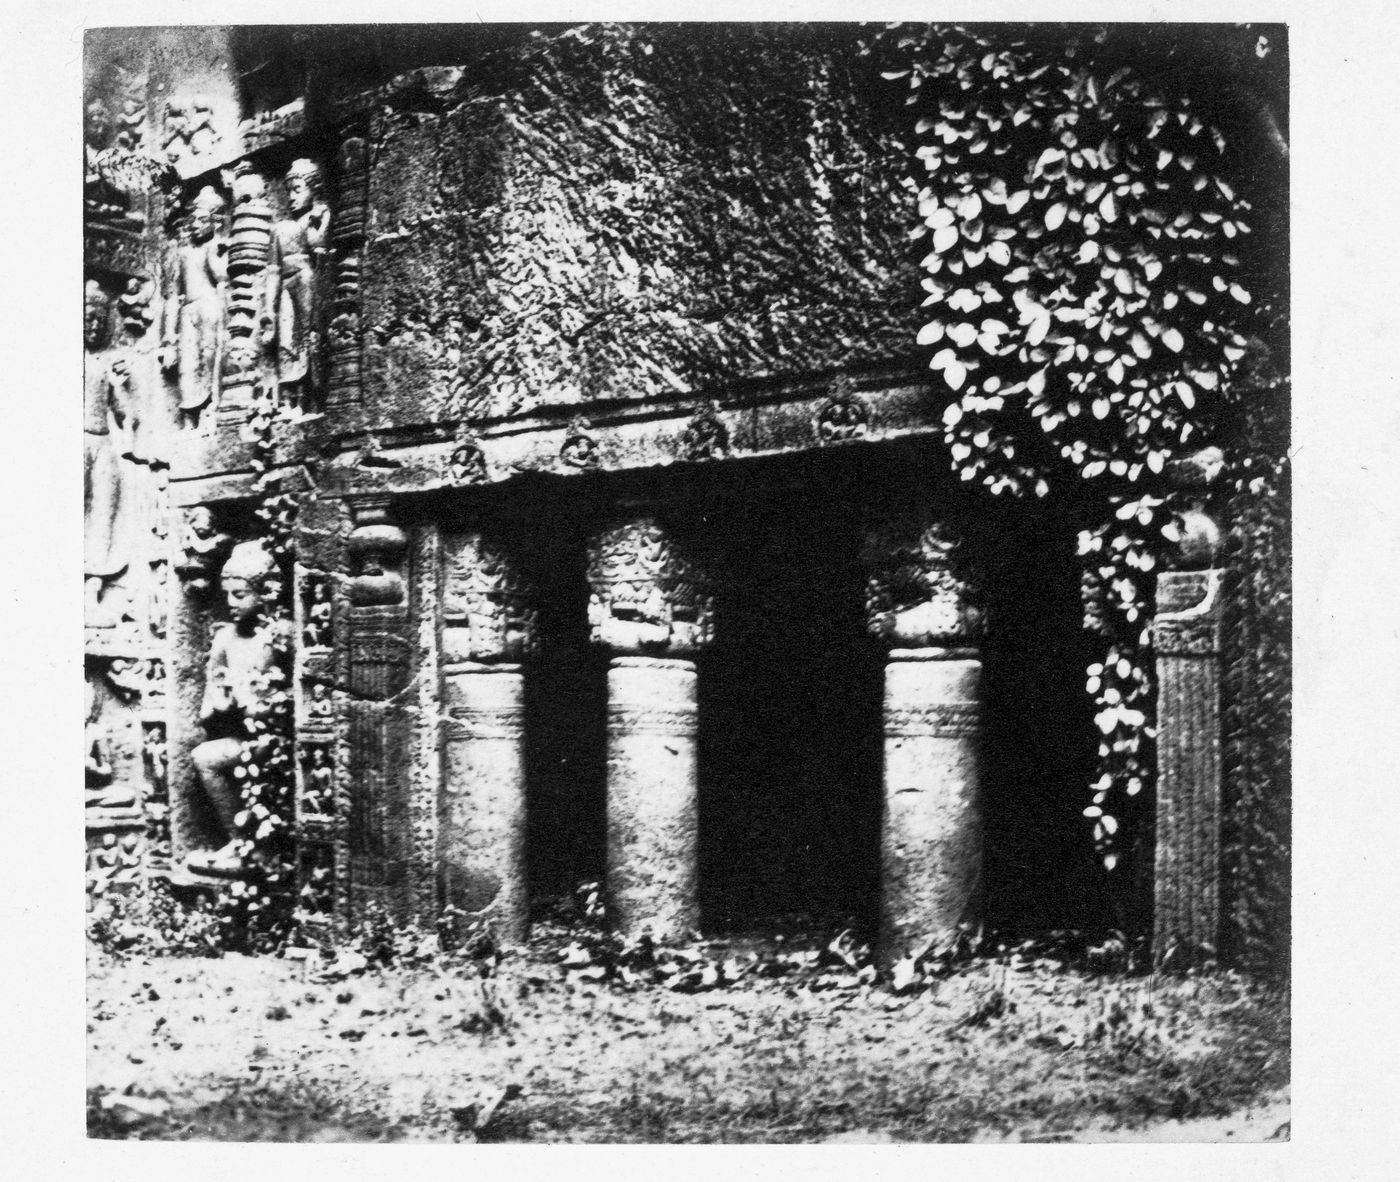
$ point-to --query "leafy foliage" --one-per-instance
(1093, 309)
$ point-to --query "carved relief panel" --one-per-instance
(648, 591)
(920, 589)
(490, 605)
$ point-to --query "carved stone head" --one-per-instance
(250, 581)
(205, 212)
(303, 185)
(96, 315)
(97, 124)
(201, 522)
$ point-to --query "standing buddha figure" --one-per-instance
(298, 243)
(193, 333)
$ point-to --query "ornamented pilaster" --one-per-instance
(320, 826)
(378, 721)
(651, 603)
(343, 385)
(921, 600)
(489, 626)
(1187, 636)
(249, 256)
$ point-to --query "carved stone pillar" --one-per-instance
(378, 723)
(1187, 636)
(651, 604)
(488, 628)
(920, 601)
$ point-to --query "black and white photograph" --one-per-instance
(656, 582)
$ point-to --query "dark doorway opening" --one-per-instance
(790, 739)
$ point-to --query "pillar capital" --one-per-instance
(377, 549)
(490, 603)
(649, 592)
(921, 590)
(1189, 612)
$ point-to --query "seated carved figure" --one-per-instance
(248, 663)
(102, 791)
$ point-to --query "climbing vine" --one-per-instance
(1092, 310)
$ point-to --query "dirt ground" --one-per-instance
(242, 1048)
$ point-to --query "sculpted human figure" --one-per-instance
(200, 134)
(317, 632)
(193, 335)
(100, 198)
(105, 411)
(248, 662)
(97, 761)
(203, 545)
(298, 242)
(320, 784)
(175, 141)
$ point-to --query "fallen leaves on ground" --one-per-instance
(710, 1042)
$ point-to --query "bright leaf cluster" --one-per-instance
(1086, 308)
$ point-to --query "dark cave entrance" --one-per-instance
(790, 740)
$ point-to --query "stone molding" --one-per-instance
(942, 720)
(626, 718)
(485, 722)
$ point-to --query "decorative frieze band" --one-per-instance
(943, 720)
